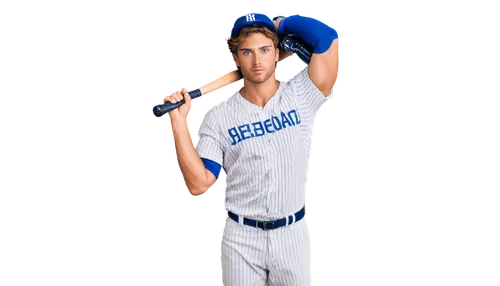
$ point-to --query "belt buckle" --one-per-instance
(272, 225)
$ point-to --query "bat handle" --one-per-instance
(161, 109)
(295, 45)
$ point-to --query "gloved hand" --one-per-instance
(293, 44)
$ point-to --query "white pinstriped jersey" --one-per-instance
(264, 150)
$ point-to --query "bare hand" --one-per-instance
(182, 111)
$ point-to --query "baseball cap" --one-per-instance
(252, 20)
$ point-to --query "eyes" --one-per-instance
(263, 50)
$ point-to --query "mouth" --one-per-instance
(258, 70)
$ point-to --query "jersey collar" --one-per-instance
(254, 108)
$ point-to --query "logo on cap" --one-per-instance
(250, 17)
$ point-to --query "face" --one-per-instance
(256, 56)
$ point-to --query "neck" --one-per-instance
(259, 93)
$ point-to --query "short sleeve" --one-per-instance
(309, 96)
(210, 148)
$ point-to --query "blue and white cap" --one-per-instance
(252, 20)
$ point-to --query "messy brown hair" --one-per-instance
(233, 43)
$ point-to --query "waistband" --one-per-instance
(272, 224)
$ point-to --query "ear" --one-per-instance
(235, 58)
(277, 55)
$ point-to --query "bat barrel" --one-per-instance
(161, 109)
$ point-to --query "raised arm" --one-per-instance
(324, 64)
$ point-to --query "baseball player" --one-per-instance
(261, 137)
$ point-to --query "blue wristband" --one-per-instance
(313, 32)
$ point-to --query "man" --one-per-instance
(261, 137)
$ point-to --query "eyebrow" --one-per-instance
(247, 49)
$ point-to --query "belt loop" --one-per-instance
(240, 220)
(293, 218)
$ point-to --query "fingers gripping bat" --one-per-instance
(288, 43)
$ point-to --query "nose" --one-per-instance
(256, 59)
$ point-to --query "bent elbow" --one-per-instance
(202, 184)
(198, 189)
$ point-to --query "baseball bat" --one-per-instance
(288, 43)
(221, 81)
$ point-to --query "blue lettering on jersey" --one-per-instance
(284, 120)
(295, 115)
(245, 129)
(234, 135)
(268, 124)
(276, 123)
(256, 129)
